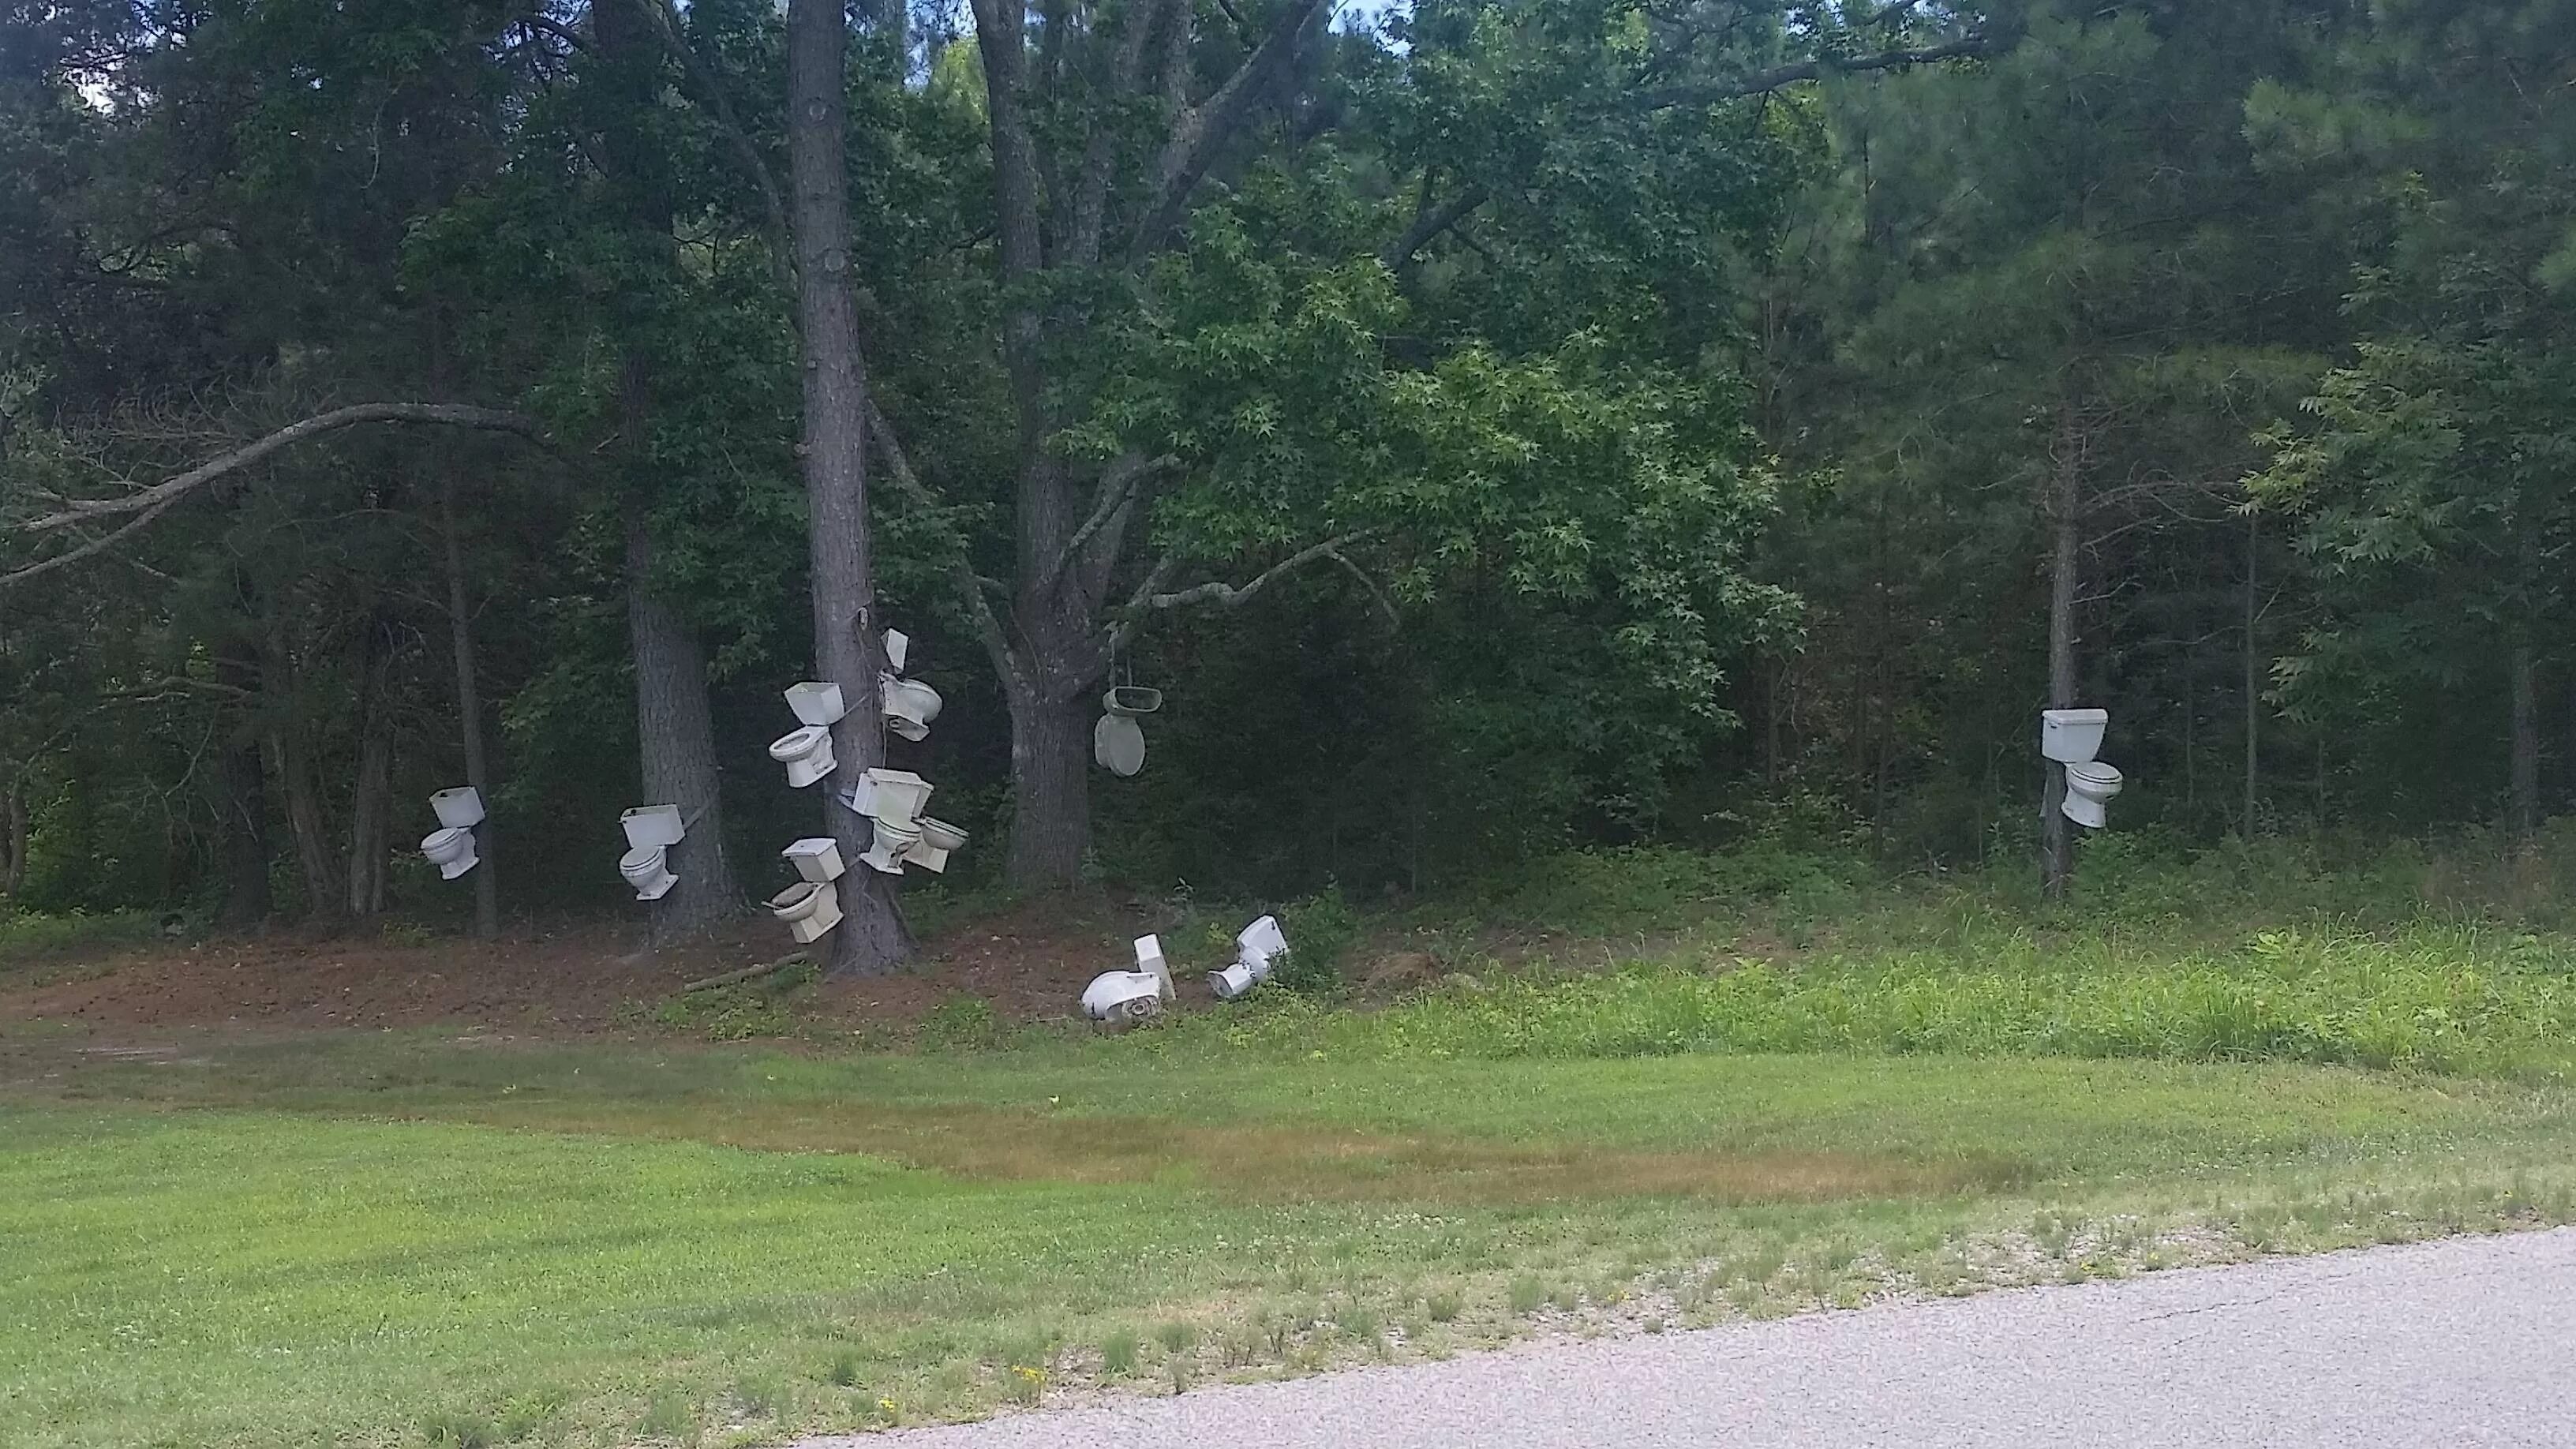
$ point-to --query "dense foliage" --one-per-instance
(1495, 424)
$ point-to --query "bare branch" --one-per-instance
(1198, 130)
(161, 495)
(1234, 597)
(1765, 81)
(95, 545)
(1376, 594)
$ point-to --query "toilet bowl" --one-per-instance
(1127, 701)
(895, 840)
(807, 754)
(648, 869)
(1233, 982)
(909, 705)
(810, 908)
(2089, 787)
(450, 849)
(1123, 998)
(940, 835)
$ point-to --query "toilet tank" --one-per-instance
(2072, 736)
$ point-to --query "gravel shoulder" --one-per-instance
(2466, 1341)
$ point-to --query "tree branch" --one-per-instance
(1762, 82)
(1198, 130)
(1234, 597)
(1091, 191)
(1117, 486)
(95, 545)
(161, 495)
(1428, 223)
(710, 95)
(1376, 594)
(970, 587)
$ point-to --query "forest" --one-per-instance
(1492, 426)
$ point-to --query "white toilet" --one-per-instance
(648, 869)
(909, 705)
(811, 908)
(895, 840)
(938, 840)
(807, 754)
(451, 849)
(1123, 998)
(2090, 784)
(458, 809)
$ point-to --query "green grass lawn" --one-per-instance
(415, 1240)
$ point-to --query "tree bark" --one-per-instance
(2253, 672)
(313, 853)
(2066, 520)
(370, 803)
(469, 712)
(1050, 790)
(2522, 796)
(677, 735)
(872, 936)
(13, 839)
(243, 781)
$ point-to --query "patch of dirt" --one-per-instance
(1030, 961)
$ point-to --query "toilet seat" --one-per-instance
(450, 849)
(647, 869)
(807, 754)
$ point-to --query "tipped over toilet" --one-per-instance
(809, 907)
(908, 704)
(451, 849)
(2090, 784)
(807, 754)
(647, 868)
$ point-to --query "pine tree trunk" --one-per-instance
(313, 853)
(469, 712)
(2253, 671)
(1050, 791)
(2065, 513)
(2522, 798)
(872, 936)
(676, 732)
(13, 839)
(243, 781)
(369, 804)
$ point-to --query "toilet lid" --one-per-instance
(641, 858)
(2093, 772)
(1118, 744)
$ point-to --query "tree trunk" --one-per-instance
(370, 804)
(2253, 670)
(13, 839)
(313, 853)
(469, 711)
(1050, 790)
(2066, 518)
(872, 936)
(243, 782)
(678, 743)
(2522, 797)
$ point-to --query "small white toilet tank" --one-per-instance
(2072, 736)
(816, 703)
(651, 825)
(458, 809)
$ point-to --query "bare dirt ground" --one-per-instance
(1029, 960)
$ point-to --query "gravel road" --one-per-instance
(2463, 1342)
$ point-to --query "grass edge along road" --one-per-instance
(401, 1240)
